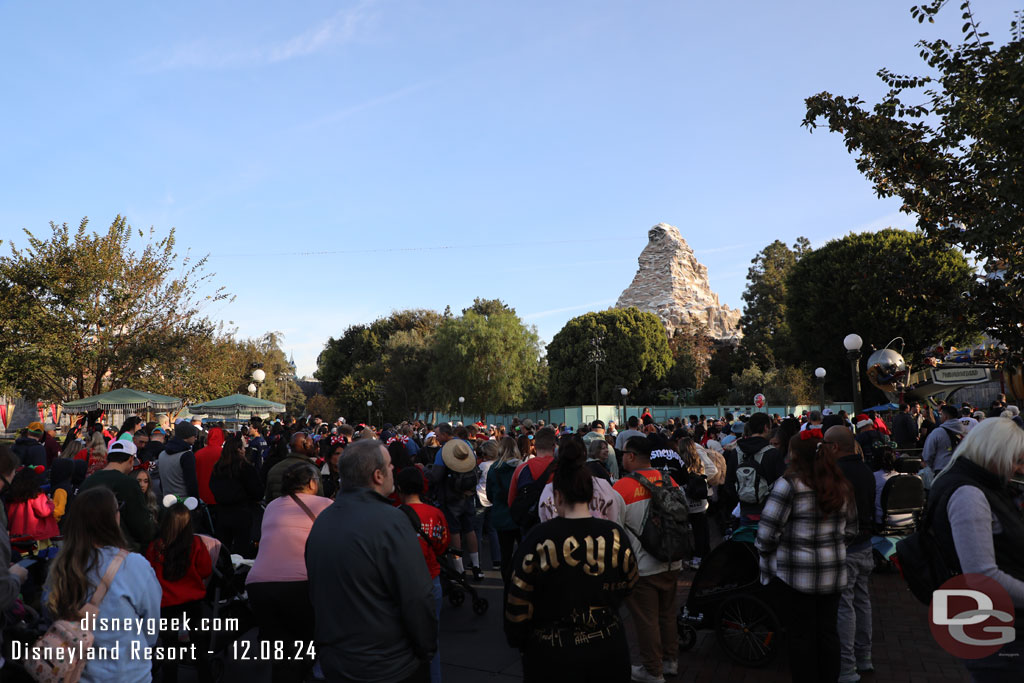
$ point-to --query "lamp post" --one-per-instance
(369, 405)
(258, 377)
(820, 374)
(852, 343)
(252, 389)
(597, 356)
(625, 392)
(462, 414)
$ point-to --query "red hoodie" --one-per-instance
(206, 458)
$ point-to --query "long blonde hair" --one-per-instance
(91, 525)
(508, 451)
(691, 458)
(97, 444)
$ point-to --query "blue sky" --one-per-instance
(339, 160)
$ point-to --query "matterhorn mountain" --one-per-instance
(672, 284)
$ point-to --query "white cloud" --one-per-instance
(553, 311)
(337, 29)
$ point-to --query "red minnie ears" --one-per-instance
(811, 434)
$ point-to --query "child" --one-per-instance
(181, 562)
(29, 511)
(61, 488)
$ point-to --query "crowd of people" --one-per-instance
(344, 532)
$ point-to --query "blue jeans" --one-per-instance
(435, 663)
(854, 623)
(482, 525)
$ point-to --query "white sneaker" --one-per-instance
(641, 675)
(670, 668)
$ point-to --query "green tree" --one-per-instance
(85, 312)
(486, 355)
(691, 348)
(636, 355)
(766, 338)
(788, 386)
(948, 143)
(892, 283)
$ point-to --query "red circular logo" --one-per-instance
(971, 616)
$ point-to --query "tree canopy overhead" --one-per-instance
(766, 338)
(949, 144)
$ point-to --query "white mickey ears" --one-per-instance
(170, 499)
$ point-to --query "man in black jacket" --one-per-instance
(855, 603)
(771, 461)
(372, 593)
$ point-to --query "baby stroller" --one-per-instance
(727, 596)
(455, 586)
(902, 501)
(229, 613)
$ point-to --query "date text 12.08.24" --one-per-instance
(273, 650)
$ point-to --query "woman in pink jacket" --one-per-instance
(29, 511)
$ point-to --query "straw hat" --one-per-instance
(458, 456)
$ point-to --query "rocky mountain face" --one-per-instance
(672, 284)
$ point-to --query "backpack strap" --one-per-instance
(416, 522)
(305, 508)
(108, 577)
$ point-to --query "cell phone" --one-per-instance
(27, 562)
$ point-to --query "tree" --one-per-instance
(949, 145)
(691, 348)
(880, 285)
(766, 338)
(85, 312)
(636, 351)
(787, 386)
(488, 356)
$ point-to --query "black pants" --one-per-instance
(811, 633)
(169, 638)
(234, 528)
(507, 541)
(701, 535)
(284, 612)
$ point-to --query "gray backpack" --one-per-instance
(752, 486)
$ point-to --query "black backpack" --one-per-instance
(923, 562)
(696, 488)
(462, 483)
(666, 532)
(524, 506)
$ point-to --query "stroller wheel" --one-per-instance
(457, 597)
(748, 630)
(480, 606)
(687, 638)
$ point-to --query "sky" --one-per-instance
(340, 160)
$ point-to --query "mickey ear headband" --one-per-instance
(170, 499)
(38, 469)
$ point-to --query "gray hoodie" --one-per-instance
(938, 447)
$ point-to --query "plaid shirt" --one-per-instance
(798, 545)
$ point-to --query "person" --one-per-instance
(524, 442)
(155, 446)
(61, 488)
(771, 463)
(235, 484)
(942, 441)
(867, 435)
(181, 562)
(30, 513)
(278, 584)
(534, 469)
(92, 544)
(652, 603)
(302, 450)
(975, 515)
(50, 443)
(11, 575)
(498, 482)
(597, 435)
(454, 483)
(694, 478)
(432, 531)
(801, 541)
(599, 460)
(146, 486)
(386, 583)
(329, 472)
(570, 575)
(605, 502)
(137, 523)
(632, 430)
(206, 458)
(482, 523)
(905, 428)
(177, 463)
(29, 446)
(854, 623)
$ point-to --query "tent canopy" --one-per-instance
(125, 400)
(885, 407)
(236, 404)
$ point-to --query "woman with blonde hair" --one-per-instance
(973, 512)
(92, 544)
(94, 454)
(498, 482)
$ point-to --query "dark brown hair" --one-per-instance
(572, 478)
(174, 543)
(819, 470)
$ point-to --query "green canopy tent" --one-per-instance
(124, 401)
(236, 406)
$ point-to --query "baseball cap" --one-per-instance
(121, 451)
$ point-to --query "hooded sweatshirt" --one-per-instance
(30, 451)
(773, 464)
(177, 467)
(206, 458)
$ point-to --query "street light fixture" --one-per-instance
(625, 392)
(820, 374)
(252, 389)
(853, 343)
(369, 404)
(462, 414)
(258, 377)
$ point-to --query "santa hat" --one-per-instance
(863, 421)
